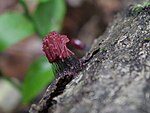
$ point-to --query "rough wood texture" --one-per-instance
(117, 76)
(116, 81)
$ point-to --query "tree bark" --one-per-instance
(117, 75)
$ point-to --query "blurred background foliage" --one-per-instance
(17, 26)
(24, 70)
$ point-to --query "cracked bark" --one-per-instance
(117, 76)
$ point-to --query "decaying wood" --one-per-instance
(117, 76)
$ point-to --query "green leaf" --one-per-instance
(13, 28)
(38, 77)
(37, 1)
(49, 16)
(42, 1)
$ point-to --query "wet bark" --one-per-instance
(116, 78)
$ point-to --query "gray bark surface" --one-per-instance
(117, 76)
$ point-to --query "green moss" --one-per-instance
(139, 7)
(103, 49)
(147, 39)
